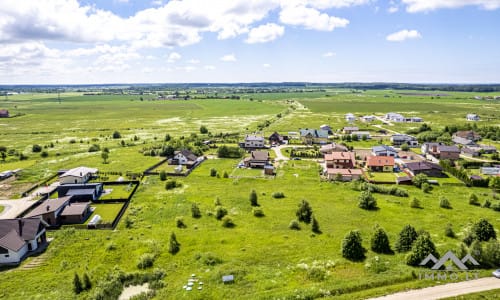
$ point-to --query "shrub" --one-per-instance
(195, 211)
(173, 245)
(111, 246)
(258, 212)
(44, 154)
(421, 249)
(380, 241)
(315, 226)
(483, 230)
(77, 284)
(473, 200)
(278, 195)
(163, 175)
(352, 247)
(172, 184)
(213, 172)
(448, 231)
(406, 238)
(426, 187)
(36, 148)
(116, 135)
(367, 201)
(316, 273)
(444, 203)
(415, 203)
(487, 203)
(377, 265)
(496, 206)
(294, 225)
(419, 179)
(209, 259)
(226, 175)
(227, 222)
(220, 212)
(203, 129)
(87, 284)
(304, 212)
(253, 198)
(94, 148)
(146, 260)
(179, 222)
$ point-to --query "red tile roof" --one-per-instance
(380, 161)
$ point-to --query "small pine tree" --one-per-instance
(87, 284)
(173, 246)
(448, 231)
(421, 249)
(195, 211)
(227, 222)
(315, 226)
(304, 212)
(415, 203)
(473, 200)
(220, 212)
(213, 172)
(352, 247)
(444, 203)
(253, 198)
(226, 175)
(487, 203)
(483, 231)
(179, 222)
(406, 238)
(163, 175)
(380, 241)
(77, 284)
(217, 202)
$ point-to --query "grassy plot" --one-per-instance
(107, 212)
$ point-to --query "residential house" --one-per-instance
(361, 134)
(350, 117)
(440, 150)
(430, 147)
(424, 167)
(380, 163)
(313, 136)
(468, 134)
(257, 159)
(340, 160)
(471, 151)
(490, 171)
(276, 139)
(349, 129)
(77, 175)
(409, 156)
(383, 150)
(81, 192)
(326, 128)
(462, 141)
(253, 141)
(343, 174)
(472, 117)
(368, 118)
(75, 213)
(333, 147)
(4, 113)
(400, 139)
(488, 149)
(184, 157)
(61, 211)
(394, 117)
(19, 238)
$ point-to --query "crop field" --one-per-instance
(268, 260)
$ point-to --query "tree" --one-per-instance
(104, 156)
(315, 226)
(415, 203)
(448, 231)
(220, 212)
(167, 137)
(173, 246)
(380, 241)
(473, 200)
(419, 179)
(421, 249)
(87, 284)
(253, 198)
(367, 201)
(203, 129)
(77, 284)
(304, 212)
(405, 147)
(352, 247)
(163, 175)
(406, 238)
(444, 203)
(494, 183)
(195, 211)
(483, 230)
(426, 187)
(36, 148)
(116, 135)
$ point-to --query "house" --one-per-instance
(50, 210)
(350, 117)
(269, 170)
(257, 159)
(409, 156)
(184, 157)
(349, 129)
(471, 151)
(462, 141)
(383, 150)
(488, 149)
(361, 134)
(75, 213)
(414, 119)
(448, 152)
(490, 171)
(468, 134)
(380, 163)
(340, 160)
(400, 139)
(253, 142)
(276, 139)
(472, 117)
(395, 117)
(343, 174)
(333, 147)
(313, 136)
(4, 113)
(424, 167)
(81, 192)
(326, 128)
(430, 147)
(368, 118)
(77, 175)
(19, 238)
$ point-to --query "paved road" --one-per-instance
(447, 290)
(279, 155)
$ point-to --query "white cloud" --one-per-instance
(193, 61)
(392, 9)
(329, 54)
(414, 6)
(228, 57)
(310, 18)
(266, 65)
(173, 57)
(157, 2)
(209, 67)
(403, 35)
(265, 33)
(186, 68)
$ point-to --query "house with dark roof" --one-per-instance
(19, 238)
(276, 138)
(314, 136)
(400, 139)
(184, 157)
(60, 211)
(257, 159)
(4, 113)
(81, 192)
(448, 152)
(380, 163)
(424, 167)
(77, 175)
(384, 150)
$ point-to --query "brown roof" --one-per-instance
(260, 155)
(48, 206)
(12, 241)
(344, 171)
(422, 165)
(28, 227)
(380, 161)
(448, 149)
(340, 155)
(75, 209)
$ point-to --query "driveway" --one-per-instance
(279, 155)
(447, 290)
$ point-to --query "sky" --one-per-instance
(160, 41)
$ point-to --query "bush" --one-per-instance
(195, 211)
(448, 231)
(116, 135)
(294, 225)
(367, 201)
(483, 230)
(380, 241)
(226, 175)
(377, 265)
(87, 284)
(406, 238)
(44, 154)
(163, 175)
(179, 222)
(36, 148)
(209, 259)
(94, 148)
(220, 212)
(473, 200)
(316, 273)
(496, 206)
(278, 195)
(304, 212)
(146, 260)
(315, 226)
(258, 212)
(77, 284)
(426, 188)
(253, 198)
(419, 179)
(352, 247)
(173, 245)
(172, 184)
(487, 203)
(203, 129)
(213, 172)
(444, 203)
(227, 222)
(415, 203)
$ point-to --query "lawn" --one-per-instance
(382, 176)
(247, 172)
(107, 211)
(121, 191)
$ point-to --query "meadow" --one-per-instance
(268, 260)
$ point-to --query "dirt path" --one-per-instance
(133, 290)
(279, 155)
(447, 290)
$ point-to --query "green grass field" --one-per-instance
(268, 260)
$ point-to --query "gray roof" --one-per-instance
(382, 148)
(75, 209)
(422, 165)
(187, 154)
(29, 227)
(12, 241)
(403, 137)
(317, 133)
(462, 141)
(79, 172)
(49, 206)
(80, 192)
(448, 149)
(252, 137)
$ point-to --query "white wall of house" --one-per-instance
(74, 179)
(12, 256)
(181, 159)
(254, 144)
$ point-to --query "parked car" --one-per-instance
(296, 158)
(496, 273)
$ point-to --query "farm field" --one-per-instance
(267, 259)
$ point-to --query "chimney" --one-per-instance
(20, 222)
(48, 207)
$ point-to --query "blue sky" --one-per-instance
(120, 41)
